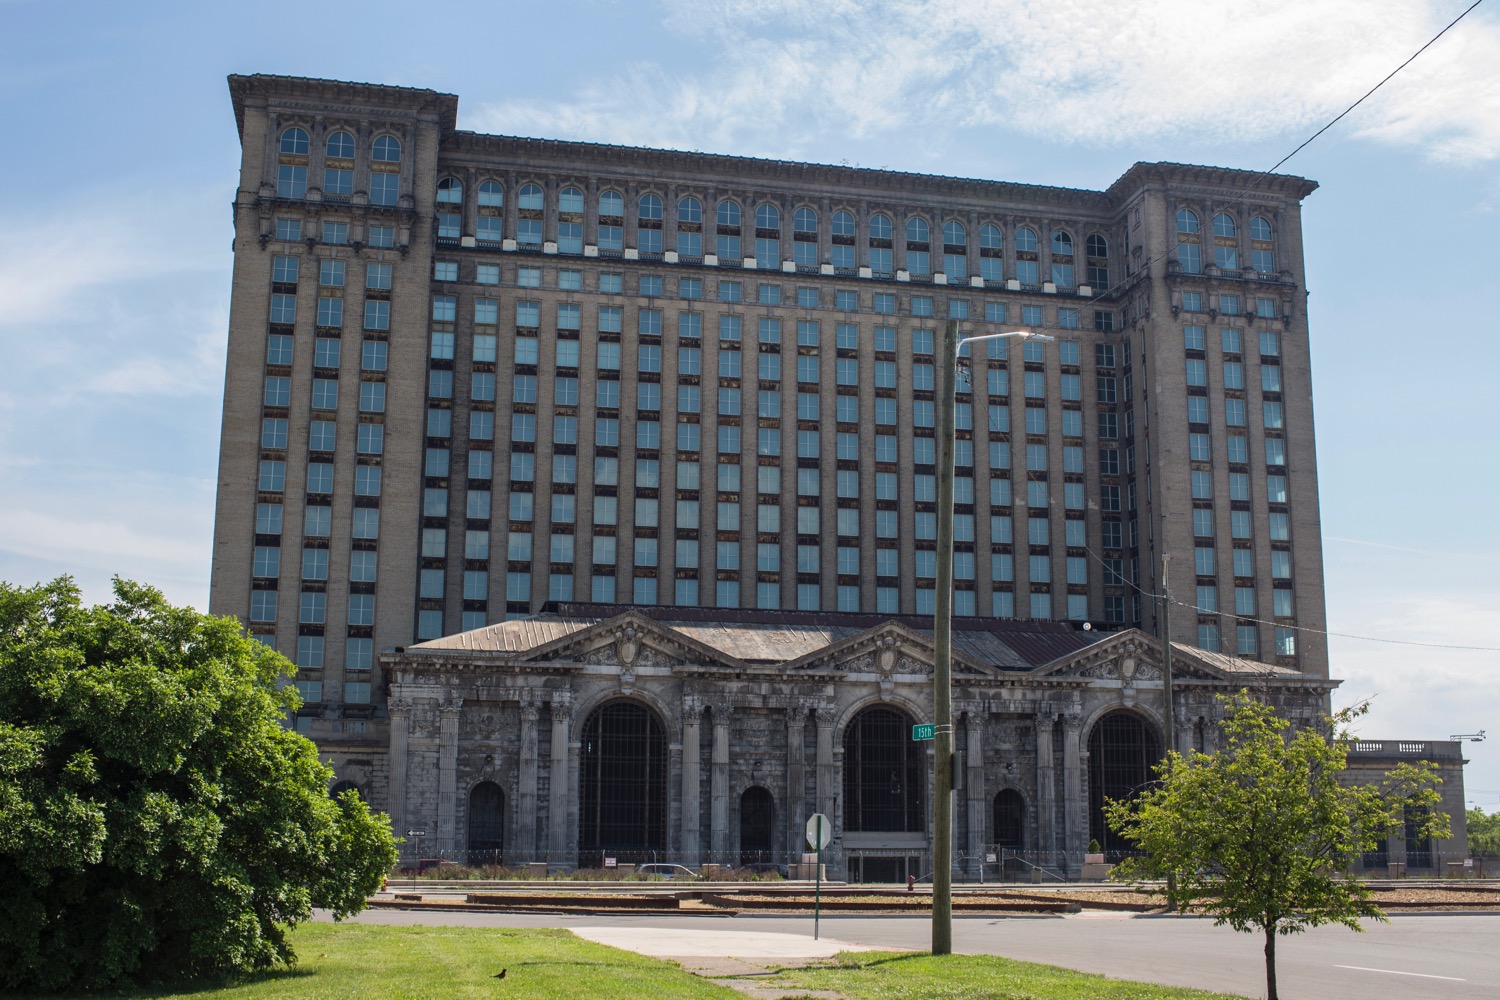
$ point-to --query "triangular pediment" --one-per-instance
(887, 649)
(630, 641)
(1128, 656)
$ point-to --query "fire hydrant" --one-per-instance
(911, 883)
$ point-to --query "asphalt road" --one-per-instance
(1411, 958)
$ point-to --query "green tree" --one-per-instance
(1261, 835)
(1484, 833)
(157, 820)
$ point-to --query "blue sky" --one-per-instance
(115, 234)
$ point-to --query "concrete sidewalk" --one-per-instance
(730, 958)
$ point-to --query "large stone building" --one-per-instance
(472, 378)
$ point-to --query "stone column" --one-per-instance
(827, 773)
(1075, 812)
(1046, 791)
(558, 775)
(526, 782)
(719, 783)
(692, 808)
(400, 726)
(447, 778)
(796, 779)
(978, 795)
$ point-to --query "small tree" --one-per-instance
(157, 820)
(1262, 834)
(1484, 833)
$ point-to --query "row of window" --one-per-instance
(339, 145)
(335, 232)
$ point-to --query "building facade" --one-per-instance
(476, 378)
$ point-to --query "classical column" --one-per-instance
(558, 776)
(978, 795)
(796, 779)
(1046, 791)
(400, 714)
(1075, 813)
(692, 809)
(719, 783)
(526, 785)
(447, 778)
(827, 774)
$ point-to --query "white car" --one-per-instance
(665, 871)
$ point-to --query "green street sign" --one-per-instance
(926, 731)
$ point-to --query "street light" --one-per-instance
(942, 629)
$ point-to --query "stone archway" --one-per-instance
(1123, 750)
(622, 786)
(486, 824)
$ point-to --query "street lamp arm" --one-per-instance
(1019, 334)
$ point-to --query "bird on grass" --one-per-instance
(499, 975)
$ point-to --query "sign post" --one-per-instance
(924, 731)
(415, 835)
(819, 833)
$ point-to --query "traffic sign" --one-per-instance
(925, 731)
(416, 833)
(819, 831)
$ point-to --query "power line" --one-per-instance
(1262, 621)
(1255, 181)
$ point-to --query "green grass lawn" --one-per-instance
(373, 961)
(871, 975)
(368, 962)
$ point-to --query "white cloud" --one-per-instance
(785, 73)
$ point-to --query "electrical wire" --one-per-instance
(1262, 621)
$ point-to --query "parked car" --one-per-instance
(665, 871)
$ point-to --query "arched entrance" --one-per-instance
(486, 824)
(622, 786)
(757, 826)
(884, 776)
(344, 786)
(1123, 749)
(1009, 818)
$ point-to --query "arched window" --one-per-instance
(529, 198)
(450, 191)
(622, 784)
(954, 234)
(1123, 749)
(880, 227)
(570, 220)
(611, 221)
(1262, 253)
(1187, 220)
(1062, 242)
(918, 258)
(650, 207)
(804, 220)
(728, 213)
(1009, 818)
(486, 824)
(648, 238)
(955, 249)
(843, 223)
(990, 238)
(611, 205)
(689, 209)
(294, 142)
(1098, 262)
(340, 145)
(1224, 225)
(917, 230)
(491, 195)
(884, 774)
(1062, 259)
(767, 216)
(1026, 239)
(757, 826)
(387, 149)
(344, 786)
(991, 263)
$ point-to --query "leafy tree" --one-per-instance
(1261, 834)
(157, 820)
(1484, 832)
